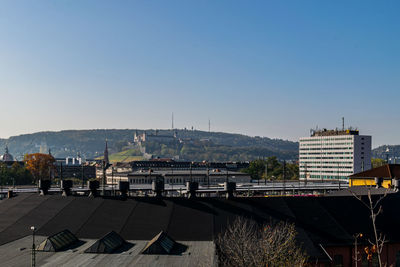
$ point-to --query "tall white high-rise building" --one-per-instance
(333, 154)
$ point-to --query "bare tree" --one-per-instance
(245, 243)
(375, 209)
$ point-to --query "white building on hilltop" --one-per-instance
(333, 154)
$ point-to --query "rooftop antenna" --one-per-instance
(342, 123)
(172, 121)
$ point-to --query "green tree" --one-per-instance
(4, 174)
(256, 169)
(20, 174)
(376, 162)
(275, 168)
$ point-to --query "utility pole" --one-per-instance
(355, 248)
(266, 173)
(61, 171)
(208, 175)
(387, 155)
(172, 178)
(82, 175)
(338, 174)
(112, 180)
(191, 171)
(33, 255)
(284, 176)
(104, 178)
(227, 177)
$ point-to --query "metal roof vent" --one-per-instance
(107, 244)
(160, 244)
(58, 242)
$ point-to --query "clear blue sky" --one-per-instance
(268, 68)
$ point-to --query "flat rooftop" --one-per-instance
(325, 132)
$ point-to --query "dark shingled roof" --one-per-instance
(319, 220)
(386, 171)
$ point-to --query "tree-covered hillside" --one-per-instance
(391, 152)
(189, 145)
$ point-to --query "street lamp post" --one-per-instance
(172, 178)
(191, 179)
(83, 175)
(208, 175)
(227, 177)
(33, 256)
(284, 176)
(356, 236)
(266, 173)
(104, 178)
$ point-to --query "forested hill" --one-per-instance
(387, 151)
(189, 145)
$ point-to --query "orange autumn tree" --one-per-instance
(40, 165)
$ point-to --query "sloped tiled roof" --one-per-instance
(319, 220)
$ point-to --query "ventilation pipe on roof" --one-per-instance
(44, 186)
(229, 188)
(191, 188)
(66, 186)
(378, 182)
(93, 186)
(123, 187)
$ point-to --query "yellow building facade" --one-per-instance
(387, 173)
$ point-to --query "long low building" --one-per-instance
(387, 173)
(175, 172)
(203, 177)
(179, 177)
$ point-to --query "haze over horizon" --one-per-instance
(265, 68)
